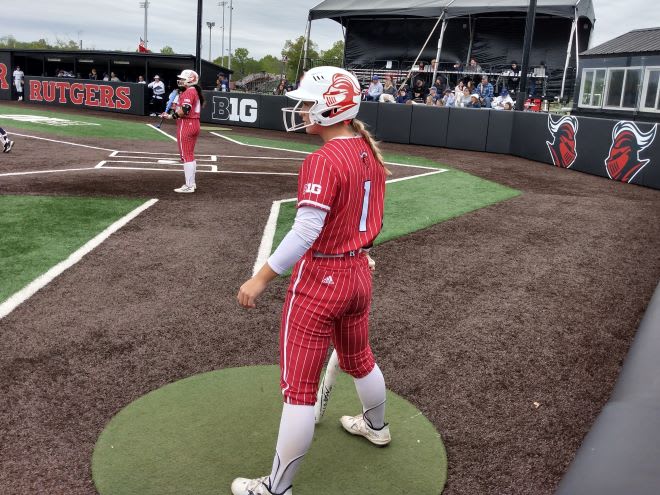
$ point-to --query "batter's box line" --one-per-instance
(121, 154)
(107, 165)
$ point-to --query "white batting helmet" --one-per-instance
(187, 78)
(335, 96)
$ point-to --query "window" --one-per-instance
(651, 94)
(623, 87)
(593, 83)
(615, 87)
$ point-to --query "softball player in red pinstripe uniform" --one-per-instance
(341, 189)
(187, 113)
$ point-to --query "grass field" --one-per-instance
(39, 232)
(107, 128)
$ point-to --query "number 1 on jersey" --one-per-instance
(365, 206)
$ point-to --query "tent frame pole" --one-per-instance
(473, 27)
(307, 36)
(422, 50)
(568, 58)
(437, 55)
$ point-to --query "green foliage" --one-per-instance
(271, 64)
(293, 51)
(167, 50)
(334, 55)
(10, 41)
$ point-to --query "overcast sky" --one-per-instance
(260, 26)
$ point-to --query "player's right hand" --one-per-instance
(249, 292)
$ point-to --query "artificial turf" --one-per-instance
(107, 128)
(40, 231)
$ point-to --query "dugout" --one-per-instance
(127, 65)
(620, 78)
(388, 35)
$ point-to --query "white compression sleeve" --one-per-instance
(306, 229)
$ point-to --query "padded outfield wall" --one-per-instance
(617, 149)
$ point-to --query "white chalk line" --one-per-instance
(35, 172)
(62, 142)
(40, 282)
(161, 131)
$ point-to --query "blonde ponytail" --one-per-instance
(359, 128)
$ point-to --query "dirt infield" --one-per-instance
(475, 320)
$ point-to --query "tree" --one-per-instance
(167, 50)
(10, 42)
(271, 64)
(334, 55)
(293, 51)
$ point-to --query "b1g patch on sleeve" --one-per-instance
(312, 188)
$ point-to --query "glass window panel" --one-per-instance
(631, 91)
(615, 88)
(587, 86)
(599, 87)
(652, 89)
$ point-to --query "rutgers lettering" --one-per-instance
(234, 110)
(3, 77)
(91, 95)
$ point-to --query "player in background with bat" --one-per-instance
(341, 190)
(187, 114)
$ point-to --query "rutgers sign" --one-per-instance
(114, 97)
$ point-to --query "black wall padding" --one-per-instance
(271, 111)
(468, 128)
(394, 123)
(429, 125)
(530, 130)
(369, 114)
(620, 454)
(500, 128)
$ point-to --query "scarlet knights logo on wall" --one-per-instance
(563, 148)
(623, 162)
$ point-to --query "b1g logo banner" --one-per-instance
(623, 162)
(235, 110)
(114, 97)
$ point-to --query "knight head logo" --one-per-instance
(623, 163)
(343, 94)
(563, 146)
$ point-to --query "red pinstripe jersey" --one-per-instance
(190, 97)
(344, 178)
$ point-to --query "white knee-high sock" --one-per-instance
(295, 437)
(371, 390)
(189, 169)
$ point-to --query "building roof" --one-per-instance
(341, 9)
(637, 41)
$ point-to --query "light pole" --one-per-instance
(145, 5)
(210, 25)
(80, 39)
(222, 53)
(231, 9)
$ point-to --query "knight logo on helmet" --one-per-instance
(187, 78)
(333, 96)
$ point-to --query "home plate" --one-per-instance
(168, 162)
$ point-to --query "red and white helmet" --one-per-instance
(187, 78)
(335, 96)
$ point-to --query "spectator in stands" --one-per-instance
(141, 80)
(504, 98)
(434, 97)
(458, 66)
(222, 85)
(93, 75)
(106, 77)
(463, 98)
(440, 83)
(513, 76)
(449, 98)
(419, 92)
(474, 101)
(157, 101)
(470, 86)
(114, 78)
(375, 89)
(279, 90)
(474, 66)
(402, 96)
(458, 90)
(485, 92)
(389, 91)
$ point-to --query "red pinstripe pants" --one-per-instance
(328, 300)
(187, 131)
